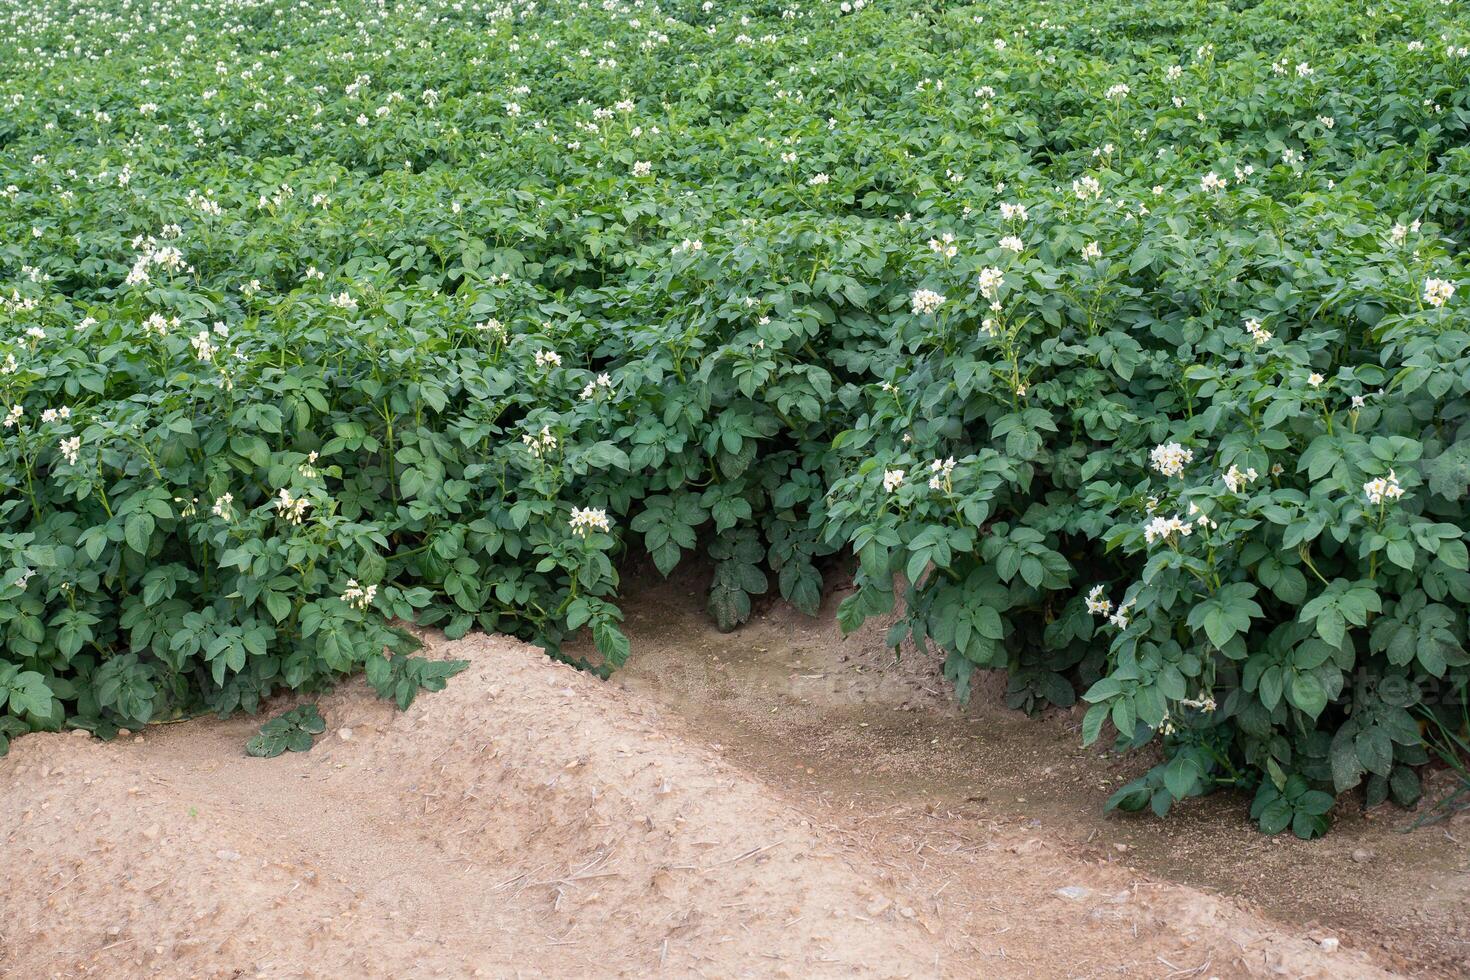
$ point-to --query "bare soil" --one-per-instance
(849, 720)
(773, 802)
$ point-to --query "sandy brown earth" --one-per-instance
(815, 713)
(532, 821)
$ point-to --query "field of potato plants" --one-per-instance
(1123, 346)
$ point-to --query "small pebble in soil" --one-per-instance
(1075, 893)
(1362, 855)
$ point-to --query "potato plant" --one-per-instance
(1124, 345)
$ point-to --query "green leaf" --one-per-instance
(1306, 693)
(138, 531)
(1092, 723)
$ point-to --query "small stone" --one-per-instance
(345, 734)
(1362, 855)
(1074, 893)
(227, 855)
(907, 912)
(1121, 848)
(152, 831)
(1329, 944)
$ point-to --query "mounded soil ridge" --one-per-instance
(533, 821)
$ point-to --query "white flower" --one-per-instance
(1086, 188)
(990, 281)
(1165, 528)
(1013, 212)
(603, 382)
(1212, 182)
(587, 519)
(1258, 333)
(70, 448)
(1383, 489)
(1437, 292)
(1120, 618)
(642, 168)
(291, 509)
(944, 245)
(1092, 251)
(816, 180)
(925, 301)
(892, 480)
(1237, 480)
(203, 345)
(344, 301)
(222, 504)
(1170, 458)
(939, 473)
(1315, 380)
(548, 359)
(539, 443)
(1013, 244)
(13, 417)
(357, 596)
(1205, 703)
(1097, 603)
(1118, 92)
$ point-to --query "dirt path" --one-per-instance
(820, 715)
(532, 821)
